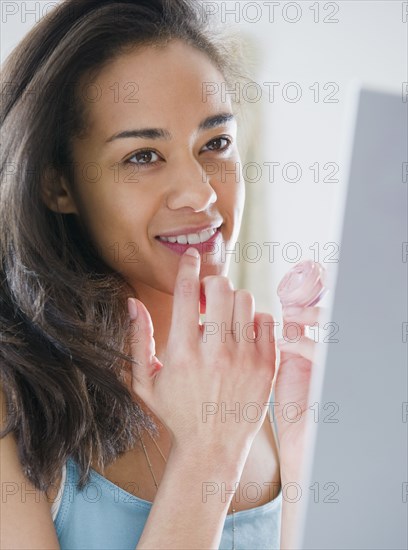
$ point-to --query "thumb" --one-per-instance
(142, 348)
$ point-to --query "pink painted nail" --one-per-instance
(132, 309)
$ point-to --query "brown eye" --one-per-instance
(219, 144)
(146, 156)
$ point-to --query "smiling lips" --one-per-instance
(203, 241)
(191, 238)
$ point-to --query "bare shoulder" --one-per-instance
(25, 511)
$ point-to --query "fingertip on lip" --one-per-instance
(191, 251)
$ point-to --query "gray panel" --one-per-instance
(365, 453)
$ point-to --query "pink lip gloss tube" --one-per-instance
(303, 285)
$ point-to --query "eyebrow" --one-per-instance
(160, 133)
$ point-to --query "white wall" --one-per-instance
(369, 42)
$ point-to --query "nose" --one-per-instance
(190, 187)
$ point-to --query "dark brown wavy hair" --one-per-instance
(63, 314)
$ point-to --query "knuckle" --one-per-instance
(244, 296)
(219, 283)
(186, 287)
(266, 318)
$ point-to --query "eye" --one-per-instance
(216, 144)
(144, 157)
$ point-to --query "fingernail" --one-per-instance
(156, 367)
(132, 308)
(192, 252)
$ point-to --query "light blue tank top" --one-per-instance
(104, 516)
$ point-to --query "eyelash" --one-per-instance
(144, 151)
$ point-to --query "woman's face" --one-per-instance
(160, 159)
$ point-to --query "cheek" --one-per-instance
(112, 224)
(231, 193)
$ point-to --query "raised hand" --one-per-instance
(206, 372)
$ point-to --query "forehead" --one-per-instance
(156, 85)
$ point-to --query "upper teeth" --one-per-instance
(192, 238)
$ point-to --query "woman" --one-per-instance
(106, 194)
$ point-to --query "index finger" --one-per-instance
(186, 296)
